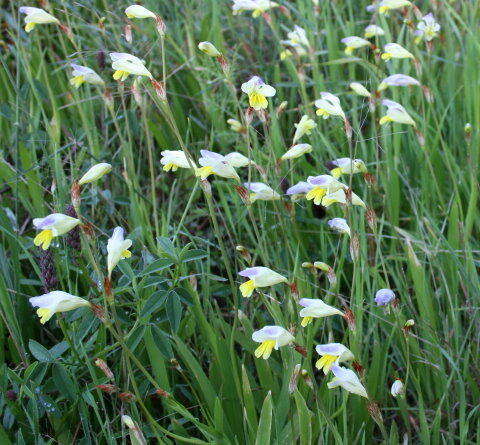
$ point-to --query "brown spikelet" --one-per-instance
(109, 389)
(104, 367)
(126, 397)
(47, 268)
(301, 350)
(73, 237)
(162, 393)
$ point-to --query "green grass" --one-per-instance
(177, 322)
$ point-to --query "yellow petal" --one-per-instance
(306, 321)
(126, 254)
(265, 349)
(44, 238)
(316, 194)
(205, 172)
(45, 314)
(29, 26)
(77, 81)
(326, 362)
(386, 56)
(247, 288)
(385, 119)
(349, 50)
(336, 172)
(258, 101)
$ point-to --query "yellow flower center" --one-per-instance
(44, 238)
(76, 81)
(336, 172)
(326, 362)
(385, 119)
(247, 288)
(383, 9)
(205, 172)
(322, 112)
(265, 349)
(45, 314)
(349, 50)
(170, 166)
(257, 101)
(120, 75)
(317, 193)
(29, 26)
(306, 321)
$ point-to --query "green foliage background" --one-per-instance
(177, 312)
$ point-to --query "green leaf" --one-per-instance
(41, 353)
(265, 423)
(156, 266)
(174, 310)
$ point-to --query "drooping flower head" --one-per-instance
(51, 226)
(395, 51)
(271, 337)
(139, 12)
(396, 113)
(296, 151)
(257, 7)
(261, 192)
(297, 40)
(215, 164)
(305, 126)
(315, 308)
(347, 166)
(353, 42)
(36, 16)
(56, 301)
(117, 249)
(125, 64)
(340, 225)
(397, 80)
(330, 354)
(387, 5)
(428, 28)
(259, 276)
(95, 172)
(329, 105)
(348, 380)
(172, 160)
(258, 91)
(209, 49)
(384, 296)
(81, 74)
(373, 31)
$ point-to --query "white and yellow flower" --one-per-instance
(209, 49)
(397, 389)
(299, 190)
(332, 354)
(339, 225)
(395, 51)
(397, 80)
(359, 89)
(139, 12)
(258, 7)
(428, 28)
(125, 64)
(396, 113)
(117, 249)
(296, 151)
(340, 197)
(270, 338)
(320, 186)
(81, 74)
(215, 164)
(172, 160)
(315, 308)
(373, 31)
(297, 40)
(56, 301)
(95, 172)
(387, 5)
(259, 276)
(348, 380)
(304, 127)
(347, 166)
(329, 105)
(52, 226)
(36, 16)
(258, 91)
(261, 192)
(353, 42)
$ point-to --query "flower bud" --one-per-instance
(95, 172)
(209, 49)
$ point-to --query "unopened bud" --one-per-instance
(209, 49)
(244, 253)
(104, 367)
(94, 173)
(136, 434)
(307, 265)
(281, 108)
(109, 389)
